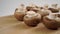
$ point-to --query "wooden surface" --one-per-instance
(9, 25)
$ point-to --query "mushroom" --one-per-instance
(20, 12)
(32, 19)
(29, 8)
(54, 8)
(50, 22)
(32, 7)
(44, 12)
(36, 9)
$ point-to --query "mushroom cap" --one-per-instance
(32, 7)
(44, 12)
(32, 19)
(19, 13)
(32, 14)
(50, 22)
(52, 16)
(20, 9)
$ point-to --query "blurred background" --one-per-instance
(7, 7)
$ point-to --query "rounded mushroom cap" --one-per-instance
(32, 7)
(20, 12)
(32, 14)
(20, 9)
(49, 21)
(44, 12)
(32, 18)
(52, 16)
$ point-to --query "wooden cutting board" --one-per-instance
(10, 25)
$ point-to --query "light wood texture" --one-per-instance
(9, 25)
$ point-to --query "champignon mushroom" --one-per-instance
(30, 7)
(50, 22)
(32, 18)
(20, 12)
(44, 12)
(54, 8)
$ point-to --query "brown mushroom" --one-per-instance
(44, 12)
(50, 22)
(54, 8)
(32, 19)
(20, 13)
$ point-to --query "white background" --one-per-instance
(7, 7)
